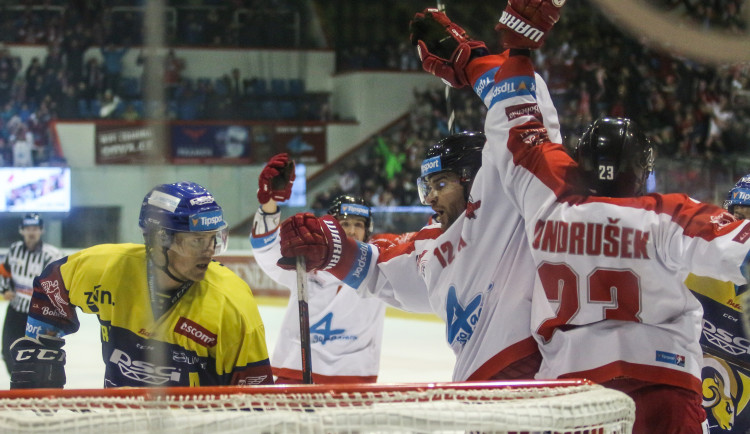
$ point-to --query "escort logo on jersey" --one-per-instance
(431, 165)
(164, 201)
(528, 109)
(520, 27)
(144, 372)
(591, 239)
(96, 297)
(321, 332)
(460, 321)
(195, 332)
(726, 393)
(337, 247)
(202, 200)
(206, 221)
(355, 209)
(671, 358)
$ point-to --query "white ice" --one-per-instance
(414, 350)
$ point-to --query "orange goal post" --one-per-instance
(561, 406)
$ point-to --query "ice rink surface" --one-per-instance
(414, 350)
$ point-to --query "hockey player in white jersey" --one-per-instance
(474, 264)
(609, 302)
(346, 330)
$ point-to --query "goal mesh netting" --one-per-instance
(565, 406)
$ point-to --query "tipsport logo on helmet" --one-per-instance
(741, 195)
(207, 221)
(431, 165)
(355, 209)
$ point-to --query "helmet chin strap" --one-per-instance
(165, 267)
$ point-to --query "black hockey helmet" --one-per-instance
(615, 157)
(346, 205)
(31, 219)
(459, 153)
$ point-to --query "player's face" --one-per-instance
(354, 226)
(190, 254)
(741, 212)
(31, 235)
(446, 197)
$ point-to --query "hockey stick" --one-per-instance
(448, 101)
(304, 321)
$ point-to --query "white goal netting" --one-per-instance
(574, 406)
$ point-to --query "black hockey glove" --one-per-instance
(37, 363)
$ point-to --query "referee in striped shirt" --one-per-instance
(25, 260)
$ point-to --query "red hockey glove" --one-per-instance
(525, 23)
(443, 47)
(319, 240)
(276, 179)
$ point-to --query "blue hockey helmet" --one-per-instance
(345, 205)
(182, 207)
(739, 194)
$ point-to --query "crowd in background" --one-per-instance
(67, 84)
(692, 111)
(698, 115)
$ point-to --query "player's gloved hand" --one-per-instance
(276, 179)
(443, 47)
(37, 363)
(525, 23)
(319, 240)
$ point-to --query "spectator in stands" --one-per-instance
(110, 105)
(112, 64)
(173, 67)
(23, 143)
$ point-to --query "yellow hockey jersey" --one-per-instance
(212, 335)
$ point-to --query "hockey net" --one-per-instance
(566, 406)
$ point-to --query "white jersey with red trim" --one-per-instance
(620, 260)
(477, 277)
(346, 330)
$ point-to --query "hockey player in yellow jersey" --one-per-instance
(169, 314)
(725, 376)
